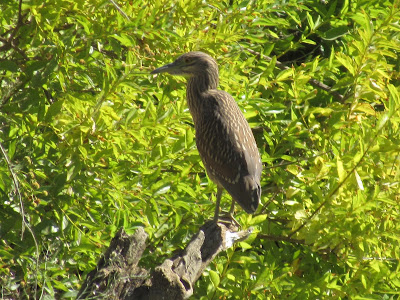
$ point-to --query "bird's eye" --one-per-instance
(187, 60)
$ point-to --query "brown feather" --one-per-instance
(228, 149)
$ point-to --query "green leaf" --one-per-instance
(394, 100)
(340, 169)
(11, 149)
(382, 121)
(124, 39)
(363, 281)
(346, 61)
(8, 65)
(258, 219)
(285, 74)
(335, 33)
(214, 278)
(310, 21)
(324, 111)
(54, 110)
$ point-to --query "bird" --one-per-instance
(224, 138)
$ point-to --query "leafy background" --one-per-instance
(92, 142)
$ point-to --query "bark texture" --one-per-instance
(118, 276)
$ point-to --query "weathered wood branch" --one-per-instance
(118, 276)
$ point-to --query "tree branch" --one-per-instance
(118, 276)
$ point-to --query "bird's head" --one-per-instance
(190, 64)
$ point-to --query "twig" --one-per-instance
(22, 212)
(10, 42)
(283, 164)
(120, 10)
(280, 239)
(16, 189)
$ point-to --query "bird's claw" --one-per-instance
(227, 218)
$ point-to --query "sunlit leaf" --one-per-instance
(214, 278)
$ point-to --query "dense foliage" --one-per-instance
(92, 142)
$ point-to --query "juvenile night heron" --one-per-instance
(223, 136)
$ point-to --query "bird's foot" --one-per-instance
(226, 218)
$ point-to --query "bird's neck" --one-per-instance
(196, 87)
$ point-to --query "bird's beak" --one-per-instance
(170, 68)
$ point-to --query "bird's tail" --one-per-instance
(249, 194)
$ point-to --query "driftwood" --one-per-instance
(118, 276)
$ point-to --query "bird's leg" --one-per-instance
(226, 218)
(230, 215)
(232, 209)
(219, 195)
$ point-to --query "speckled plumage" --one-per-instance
(223, 137)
